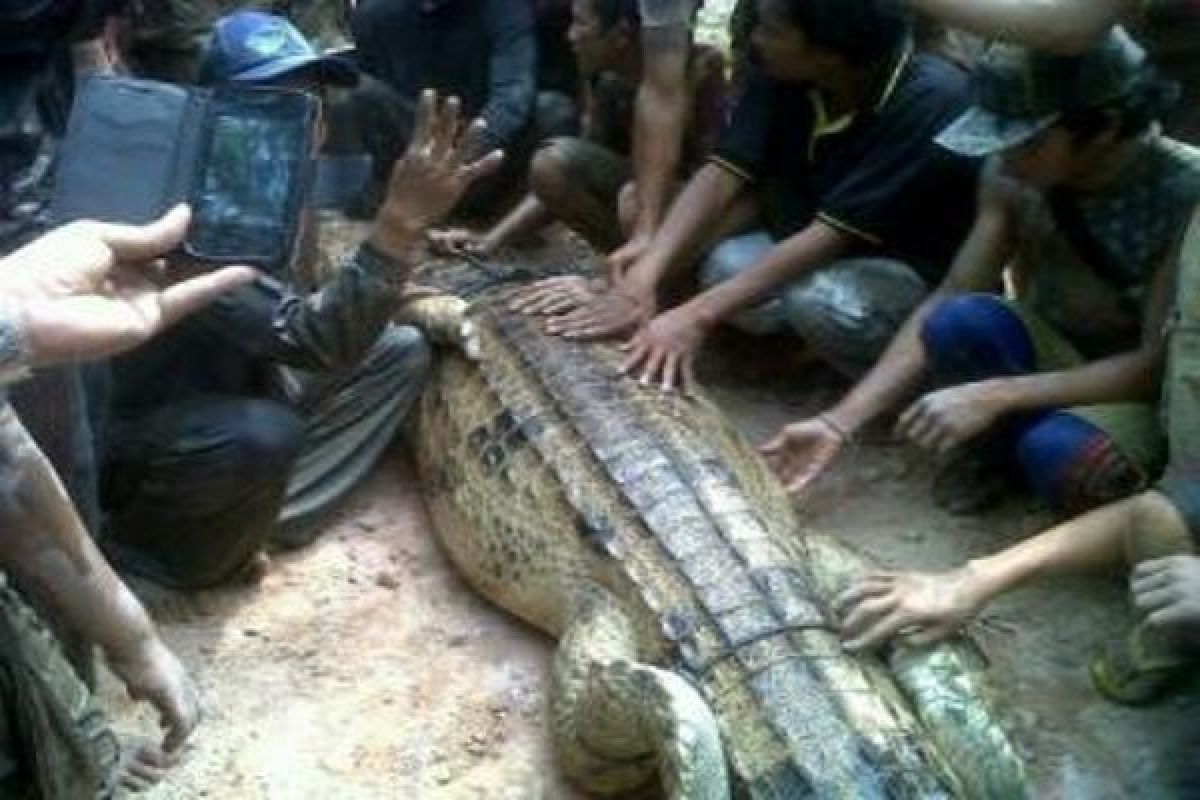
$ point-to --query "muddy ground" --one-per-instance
(364, 668)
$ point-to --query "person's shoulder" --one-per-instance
(928, 87)
(1179, 168)
(930, 72)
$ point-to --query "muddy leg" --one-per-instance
(616, 721)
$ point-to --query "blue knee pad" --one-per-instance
(974, 337)
(1071, 464)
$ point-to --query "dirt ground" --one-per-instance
(364, 668)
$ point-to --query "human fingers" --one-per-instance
(481, 167)
(671, 370)
(426, 116)
(139, 243)
(637, 351)
(1143, 570)
(445, 128)
(870, 586)
(1170, 616)
(1151, 581)
(652, 366)
(906, 419)
(884, 628)
(775, 445)
(925, 636)
(689, 374)
(192, 294)
(1150, 601)
(868, 610)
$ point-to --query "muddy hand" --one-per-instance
(920, 608)
(800, 452)
(664, 351)
(616, 312)
(944, 420)
(555, 296)
(154, 675)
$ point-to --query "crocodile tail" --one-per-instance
(944, 685)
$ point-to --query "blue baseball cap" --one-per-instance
(258, 48)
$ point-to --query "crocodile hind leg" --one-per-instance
(618, 723)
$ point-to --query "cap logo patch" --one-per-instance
(267, 41)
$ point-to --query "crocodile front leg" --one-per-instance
(618, 723)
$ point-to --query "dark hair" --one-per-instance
(861, 31)
(614, 12)
(1150, 99)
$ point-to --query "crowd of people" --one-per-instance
(982, 213)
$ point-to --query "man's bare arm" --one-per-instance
(1062, 26)
(698, 208)
(660, 113)
(977, 267)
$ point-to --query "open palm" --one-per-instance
(90, 289)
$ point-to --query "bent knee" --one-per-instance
(964, 316)
(403, 349)
(1153, 528)
(548, 170)
(266, 435)
(1074, 466)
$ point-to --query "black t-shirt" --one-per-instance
(877, 174)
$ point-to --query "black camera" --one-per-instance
(243, 158)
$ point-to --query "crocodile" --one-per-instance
(696, 655)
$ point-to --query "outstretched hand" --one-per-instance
(89, 289)
(802, 451)
(664, 351)
(921, 608)
(434, 173)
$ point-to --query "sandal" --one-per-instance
(1139, 669)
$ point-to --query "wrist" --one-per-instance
(391, 266)
(981, 579)
(848, 420)
(396, 232)
(998, 394)
(831, 421)
(706, 309)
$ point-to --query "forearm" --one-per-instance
(46, 545)
(792, 259)
(530, 215)
(659, 116)
(329, 329)
(894, 378)
(697, 209)
(1092, 543)
(1128, 377)
(1065, 26)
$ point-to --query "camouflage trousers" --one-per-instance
(55, 744)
